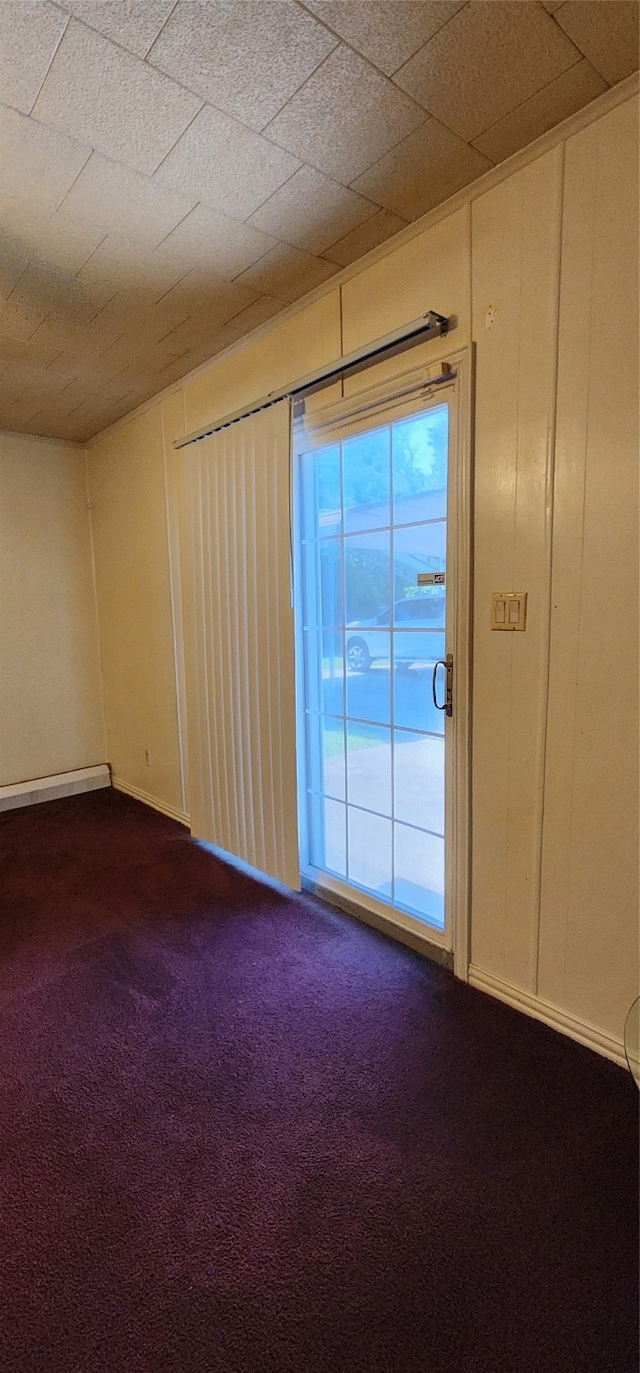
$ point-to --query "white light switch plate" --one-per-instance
(509, 610)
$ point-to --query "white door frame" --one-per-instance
(458, 818)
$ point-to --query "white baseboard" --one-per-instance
(50, 788)
(148, 800)
(555, 1016)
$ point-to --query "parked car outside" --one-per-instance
(367, 645)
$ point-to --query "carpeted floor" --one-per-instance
(241, 1133)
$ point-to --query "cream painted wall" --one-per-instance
(50, 693)
(552, 255)
(128, 497)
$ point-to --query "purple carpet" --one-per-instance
(240, 1133)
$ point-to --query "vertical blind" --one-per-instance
(235, 537)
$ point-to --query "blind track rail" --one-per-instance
(428, 326)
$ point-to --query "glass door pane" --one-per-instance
(373, 517)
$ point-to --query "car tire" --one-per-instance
(358, 656)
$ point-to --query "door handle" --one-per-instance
(447, 704)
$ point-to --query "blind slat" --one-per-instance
(239, 642)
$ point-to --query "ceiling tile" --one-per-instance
(542, 111)
(427, 167)
(138, 126)
(287, 273)
(310, 211)
(67, 400)
(136, 356)
(12, 264)
(92, 417)
(122, 201)
(34, 381)
(87, 341)
(368, 236)
(207, 237)
(191, 334)
(60, 295)
(245, 56)
(17, 417)
(19, 403)
(118, 388)
(99, 374)
(192, 343)
(197, 356)
(388, 32)
(68, 366)
(506, 51)
(12, 387)
(606, 33)
(44, 236)
(177, 367)
(26, 353)
(175, 371)
(19, 321)
(205, 296)
(226, 165)
(63, 429)
(36, 163)
(120, 265)
(120, 320)
(345, 117)
(132, 24)
(29, 36)
(262, 309)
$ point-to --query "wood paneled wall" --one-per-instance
(539, 270)
(589, 899)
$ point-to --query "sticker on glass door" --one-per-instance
(371, 615)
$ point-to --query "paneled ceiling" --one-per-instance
(175, 172)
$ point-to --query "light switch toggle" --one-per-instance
(509, 610)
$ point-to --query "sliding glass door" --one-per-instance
(372, 616)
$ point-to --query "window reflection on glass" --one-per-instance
(367, 562)
(367, 480)
(420, 447)
(418, 549)
(324, 671)
(322, 600)
(368, 679)
(320, 491)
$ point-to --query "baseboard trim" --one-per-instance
(50, 788)
(555, 1016)
(148, 800)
